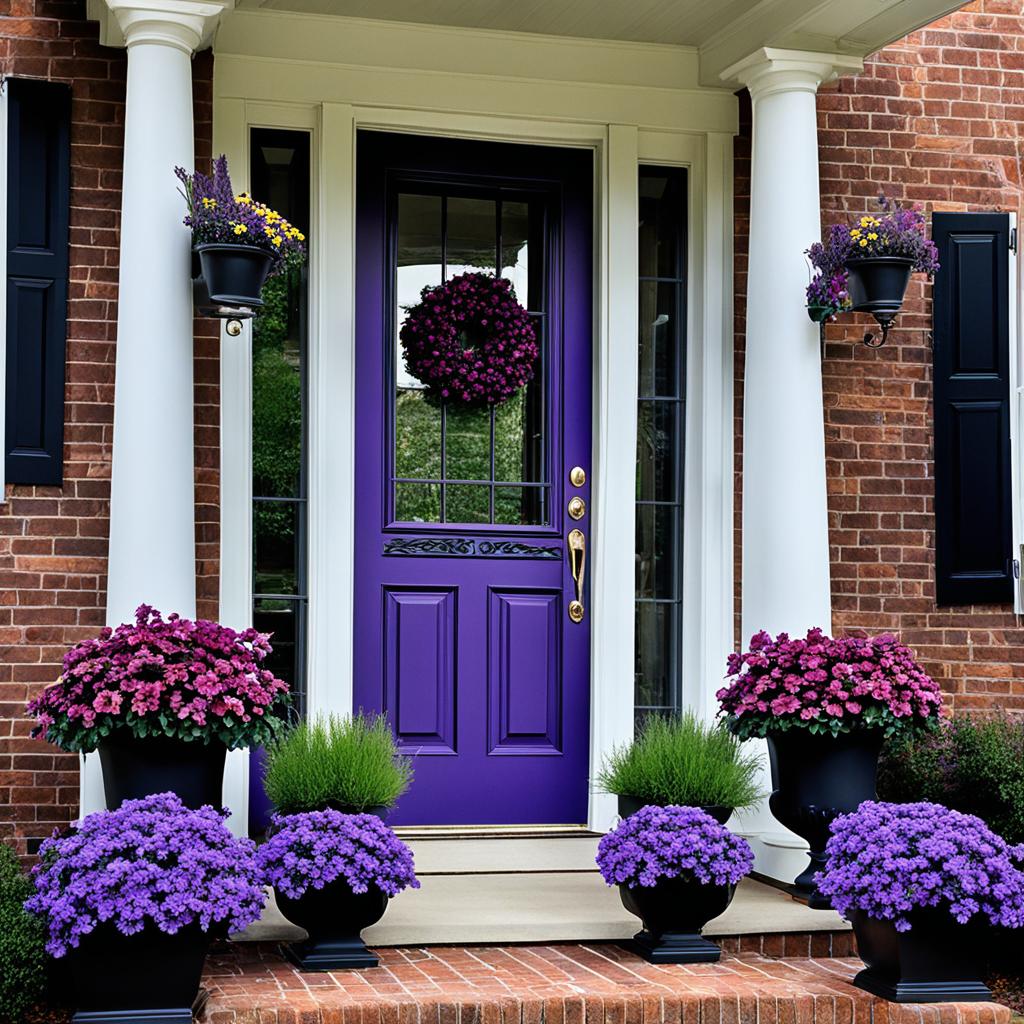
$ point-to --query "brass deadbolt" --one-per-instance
(577, 476)
(577, 508)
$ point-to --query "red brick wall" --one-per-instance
(936, 119)
(53, 541)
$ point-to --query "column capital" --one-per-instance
(769, 70)
(187, 25)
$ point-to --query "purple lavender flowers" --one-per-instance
(173, 677)
(470, 340)
(888, 860)
(828, 685)
(315, 848)
(151, 861)
(669, 842)
(216, 214)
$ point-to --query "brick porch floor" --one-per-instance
(557, 984)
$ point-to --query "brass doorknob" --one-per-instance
(577, 545)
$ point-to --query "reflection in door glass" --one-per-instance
(453, 463)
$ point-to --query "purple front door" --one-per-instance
(463, 582)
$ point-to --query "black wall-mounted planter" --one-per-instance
(233, 275)
(936, 961)
(877, 285)
(674, 911)
(815, 778)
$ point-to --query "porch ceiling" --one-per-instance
(722, 31)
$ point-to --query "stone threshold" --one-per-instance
(556, 984)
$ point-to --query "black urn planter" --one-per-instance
(938, 960)
(876, 285)
(129, 979)
(815, 778)
(234, 274)
(134, 768)
(674, 911)
(631, 804)
(333, 918)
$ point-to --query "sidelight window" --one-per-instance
(661, 408)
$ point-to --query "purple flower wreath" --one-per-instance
(470, 340)
(889, 859)
(668, 842)
(150, 862)
(312, 849)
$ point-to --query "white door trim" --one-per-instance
(618, 149)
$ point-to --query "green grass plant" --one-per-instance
(349, 762)
(683, 760)
(22, 956)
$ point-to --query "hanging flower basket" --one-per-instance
(866, 267)
(470, 341)
(239, 241)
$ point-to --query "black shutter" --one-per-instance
(38, 196)
(973, 522)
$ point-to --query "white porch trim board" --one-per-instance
(665, 126)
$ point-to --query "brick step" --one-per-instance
(557, 984)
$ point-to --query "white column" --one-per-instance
(785, 582)
(152, 550)
(152, 490)
(785, 574)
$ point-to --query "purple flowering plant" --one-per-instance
(672, 842)
(470, 340)
(828, 685)
(898, 230)
(888, 859)
(217, 214)
(312, 849)
(192, 681)
(150, 862)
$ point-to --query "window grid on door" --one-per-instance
(280, 176)
(489, 497)
(661, 408)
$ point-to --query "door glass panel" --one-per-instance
(450, 462)
(472, 242)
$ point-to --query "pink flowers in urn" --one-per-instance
(172, 677)
(827, 685)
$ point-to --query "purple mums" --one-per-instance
(151, 861)
(668, 842)
(315, 848)
(470, 340)
(888, 860)
(827, 684)
(173, 677)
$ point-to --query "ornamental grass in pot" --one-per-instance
(676, 869)
(132, 897)
(922, 886)
(239, 242)
(333, 875)
(825, 705)
(162, 700)
(349, 764)
(682, 761)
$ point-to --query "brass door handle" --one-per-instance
(577, 545)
